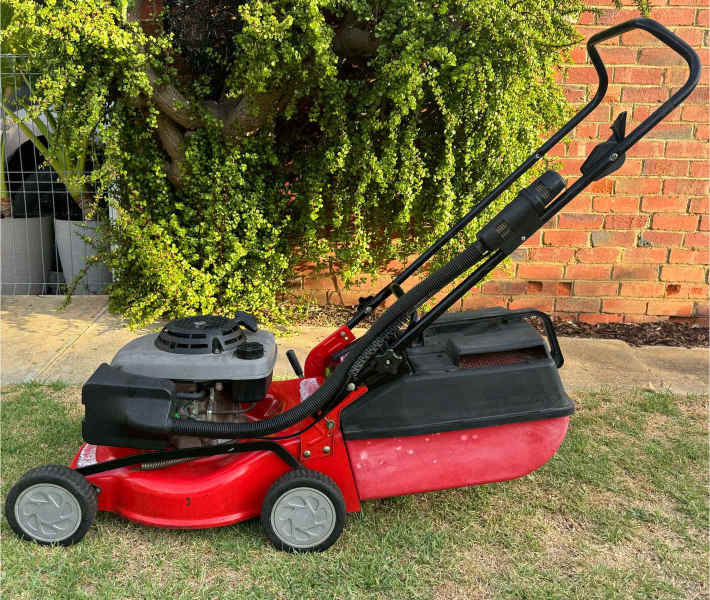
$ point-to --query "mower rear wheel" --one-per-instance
(303, 511)
(52, 504)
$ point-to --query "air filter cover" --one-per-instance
(201, 334)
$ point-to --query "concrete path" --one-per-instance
(41, 343)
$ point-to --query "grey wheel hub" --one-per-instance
(48, 512)
(303, 517)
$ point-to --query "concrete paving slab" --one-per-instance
(40, 343)
(33, 332)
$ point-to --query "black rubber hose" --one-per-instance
(361, 352)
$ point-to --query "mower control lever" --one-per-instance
(295, 364)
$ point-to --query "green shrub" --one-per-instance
(343, 133)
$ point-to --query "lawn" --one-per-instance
(620, 512)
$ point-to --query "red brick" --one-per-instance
(670, 307)
(640, 272)
(659, 56)
(674, 16)
(690, 187)
(638, 75)
(642, 112)
(638, 185)
(601, 114)
(660, 166)
(597, 255)
(625, 221)
(618, 305)
(619, 56)
(476, 302)
(687, 149)
(695, 113)
(688, 257)
(580, 204)
(613, 97)
(645, 255)
(565, 238)
(616, 204)
(663, 204)
(504, 271)
(644, 94)
(574, 93)
(571, 166)
(648, 148)
(580, 221)
(537, 302)
(670, 131)
(682, 273)
(587, 272)
(631, 167)
(663, 239)
(699, 168)
(697, 96)
(593, 319)
(519, 255)
(528, 271)
(642, 289)
(699, 205)
(613, 238)
(703, 19)
(578, 54)
(596, 288)
(552, 254)
(614, 16)
(533, 240)
(574, 304)
(697, 241)
(637, 37)
(586, 130)
(581, 74)
(550, 288)
(507, 287)
(643, 319)
(677, 77)
(603, 186)
(558, 150)
(702, 132)
(677, 290)
(671, 222)
(576, 148)
(704, 223)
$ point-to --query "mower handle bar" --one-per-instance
(367, 305)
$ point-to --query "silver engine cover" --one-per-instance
(143, 357)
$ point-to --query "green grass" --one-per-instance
(620, 512)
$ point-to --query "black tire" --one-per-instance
(314, 487)
(73, 506)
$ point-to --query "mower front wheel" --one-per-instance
(303, 511)
(52, 504)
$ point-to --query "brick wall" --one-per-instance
(634, 246)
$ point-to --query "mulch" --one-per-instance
(661, 333)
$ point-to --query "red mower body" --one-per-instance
(221, 490)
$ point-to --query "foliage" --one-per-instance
(350, 153)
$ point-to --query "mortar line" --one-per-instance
(62, 351)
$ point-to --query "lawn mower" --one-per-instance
(186, 429)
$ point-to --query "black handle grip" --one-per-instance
(669, 39)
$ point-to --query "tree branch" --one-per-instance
(245, 116)
(172, 140)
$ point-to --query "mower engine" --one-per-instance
(202, 368)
